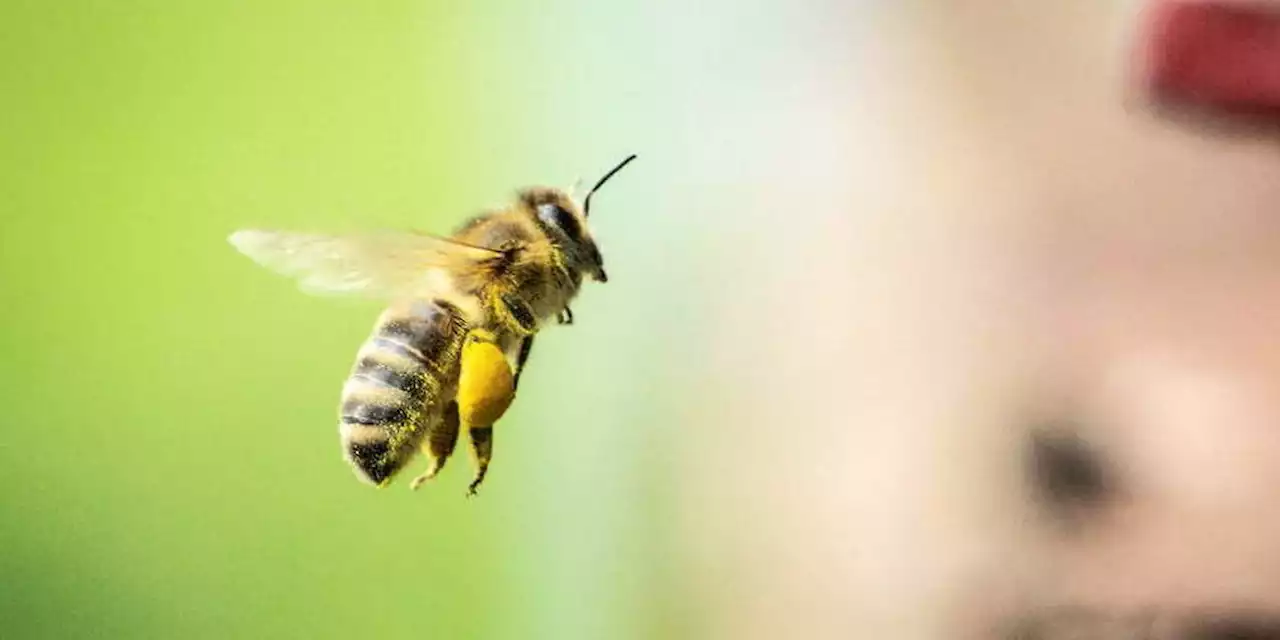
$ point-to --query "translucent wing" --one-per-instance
(379, 265)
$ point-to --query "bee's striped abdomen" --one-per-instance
(403, 378)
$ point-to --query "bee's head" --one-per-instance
(566, 224)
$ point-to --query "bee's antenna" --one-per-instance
(586, 204)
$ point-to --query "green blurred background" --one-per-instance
(170, 452)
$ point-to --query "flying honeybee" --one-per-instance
(446, 355)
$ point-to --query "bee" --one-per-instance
(446, 355)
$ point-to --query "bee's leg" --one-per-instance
(482, 451)
(526, 346)
(566, 316)
(438, 444)
(486, 388)
(520, 312)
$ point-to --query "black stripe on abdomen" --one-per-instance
(381, 374)
(400, 348)
(366, 412)
(425, 332)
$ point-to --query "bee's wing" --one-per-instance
(379, 265)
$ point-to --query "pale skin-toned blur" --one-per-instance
(1045, 255)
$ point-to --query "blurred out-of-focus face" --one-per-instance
(1026, 381)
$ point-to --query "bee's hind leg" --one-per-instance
(482, 451)
(438, 445)
(566, 316)
(526, 347)
(486, 388)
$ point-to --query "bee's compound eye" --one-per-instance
(557, 216)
